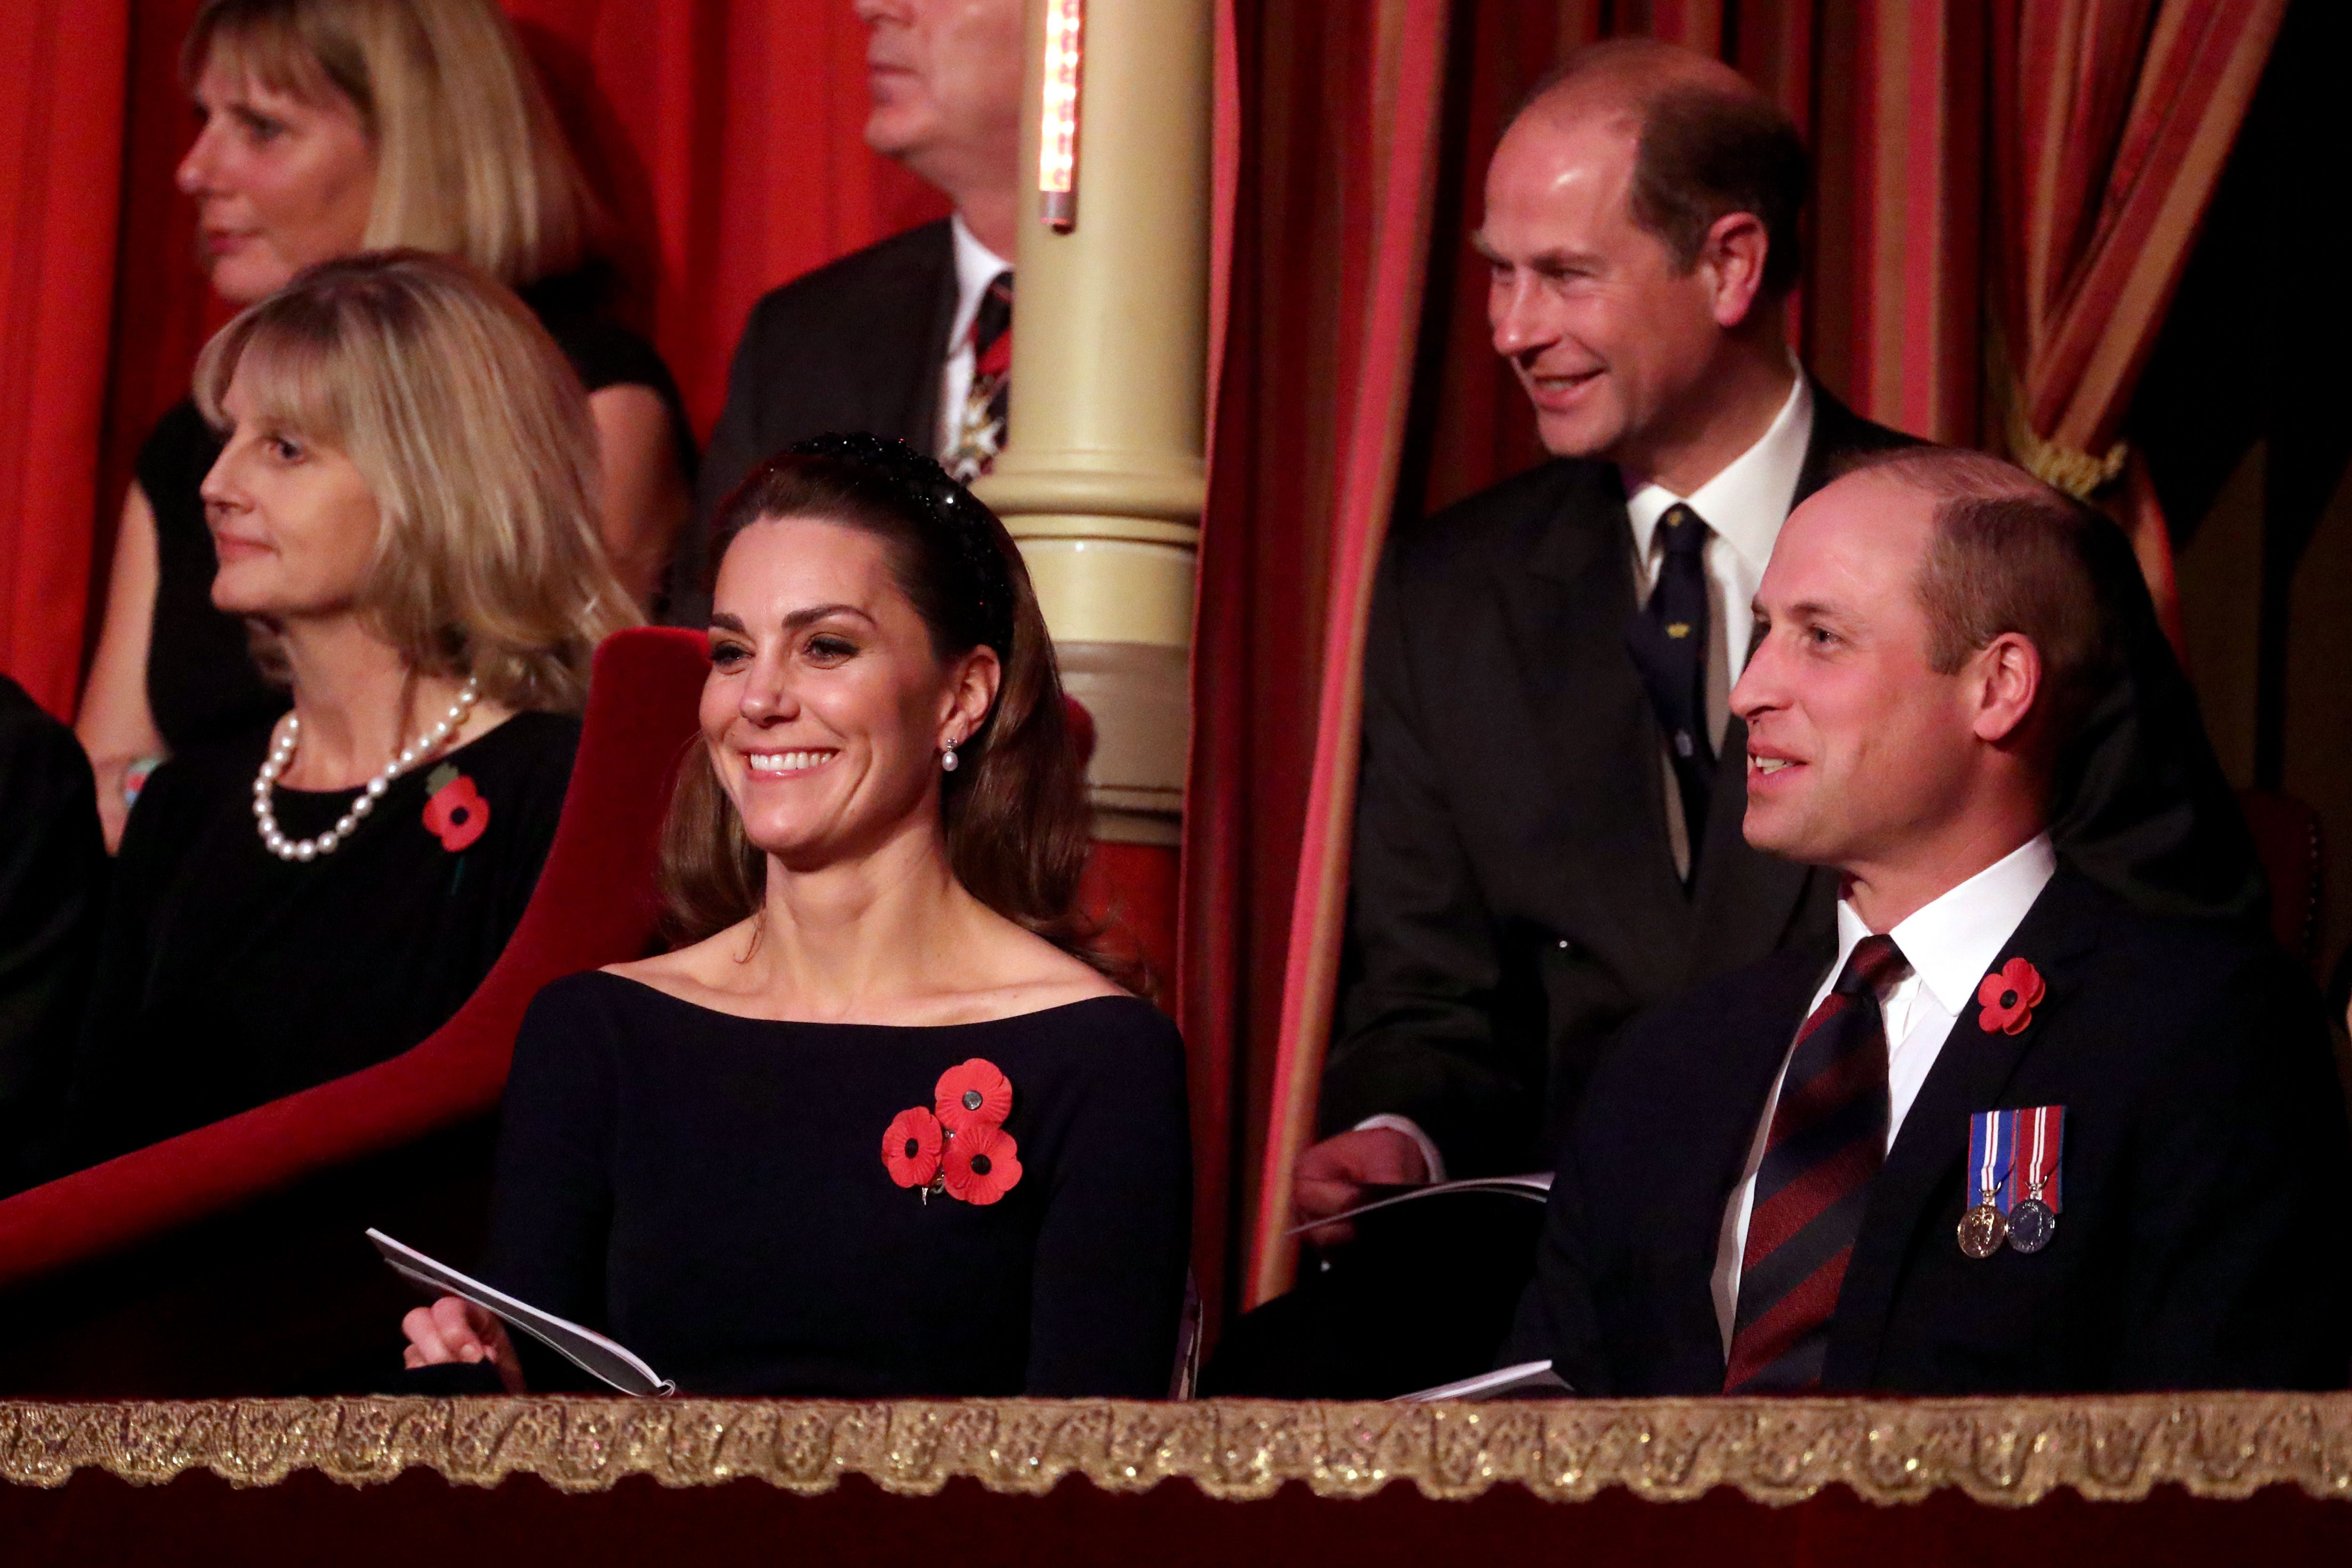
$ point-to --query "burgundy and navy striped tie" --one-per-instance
(1828, 1139)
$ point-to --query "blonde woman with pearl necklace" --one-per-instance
(405, 511)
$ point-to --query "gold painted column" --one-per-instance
(1101, 480)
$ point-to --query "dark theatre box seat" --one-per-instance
(230, 1259)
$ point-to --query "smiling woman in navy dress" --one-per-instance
(888, 1128)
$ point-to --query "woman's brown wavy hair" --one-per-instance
(1015, 812)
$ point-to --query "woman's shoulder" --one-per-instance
(1118, 1037)
(695, 975)
(1116, 1018)
(590, 1003)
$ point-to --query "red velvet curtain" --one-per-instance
(60, 154)
(1336, 102)
(725, 136)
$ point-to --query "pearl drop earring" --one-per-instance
(948, 758)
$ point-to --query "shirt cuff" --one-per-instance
(1411, 1128)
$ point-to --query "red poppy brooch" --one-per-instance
(455, 811)
(2009, 997)
(959, 1146)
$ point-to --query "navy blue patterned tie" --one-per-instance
(1667, 637)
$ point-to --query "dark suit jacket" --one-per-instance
(53, 871)
(2207, 1181)
(857, 345)
(1514, 898)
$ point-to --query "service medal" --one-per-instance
(2031, 1225)
(2039, 1136)
(1993, 1146)
(1982, 1230)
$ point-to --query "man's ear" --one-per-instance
(2006, 682)
(1733, 255)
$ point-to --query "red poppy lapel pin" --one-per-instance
(455, 811)
(959, 1146)
(2009, 997)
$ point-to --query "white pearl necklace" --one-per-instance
(266, 819)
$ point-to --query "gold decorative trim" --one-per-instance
(2005, 1452)
(2079, 474)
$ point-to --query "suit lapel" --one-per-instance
(1972, 1074)
(920, 398)
(1590, 721)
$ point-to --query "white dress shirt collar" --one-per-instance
(1953, 941)
(1748, 501)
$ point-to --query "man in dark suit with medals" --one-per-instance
(1546, 837)
(912, 336)
(2003, 1132)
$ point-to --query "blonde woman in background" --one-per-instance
(330, 127)
(405, 501)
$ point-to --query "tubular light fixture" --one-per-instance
(1057, 134)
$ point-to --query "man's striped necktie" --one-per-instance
(1828, 1139)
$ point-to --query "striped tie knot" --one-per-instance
(1874, 964)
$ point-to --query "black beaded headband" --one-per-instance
(960, 517)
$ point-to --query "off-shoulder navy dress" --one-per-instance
(710, 1190)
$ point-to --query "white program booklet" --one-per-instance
(1530, 1377)
(586, 1349)
(1536, 1188)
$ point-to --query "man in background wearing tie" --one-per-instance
(1546, 839)
(912, 336)
(2004, 1133)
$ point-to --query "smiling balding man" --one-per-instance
(2004, 1133)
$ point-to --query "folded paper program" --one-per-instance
(586, 1349)
(1536, 1188)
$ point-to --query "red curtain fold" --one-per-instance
(2110, 123)
(60, 162)
(1406, 79)
(1309, 400)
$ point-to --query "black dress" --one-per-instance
(200, 682)
(710, 1190)
(227, 977)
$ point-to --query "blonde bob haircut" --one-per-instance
(473, 435)
(469, 159)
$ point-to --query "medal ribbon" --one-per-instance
(1992, 1150)
(2037, 1139)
